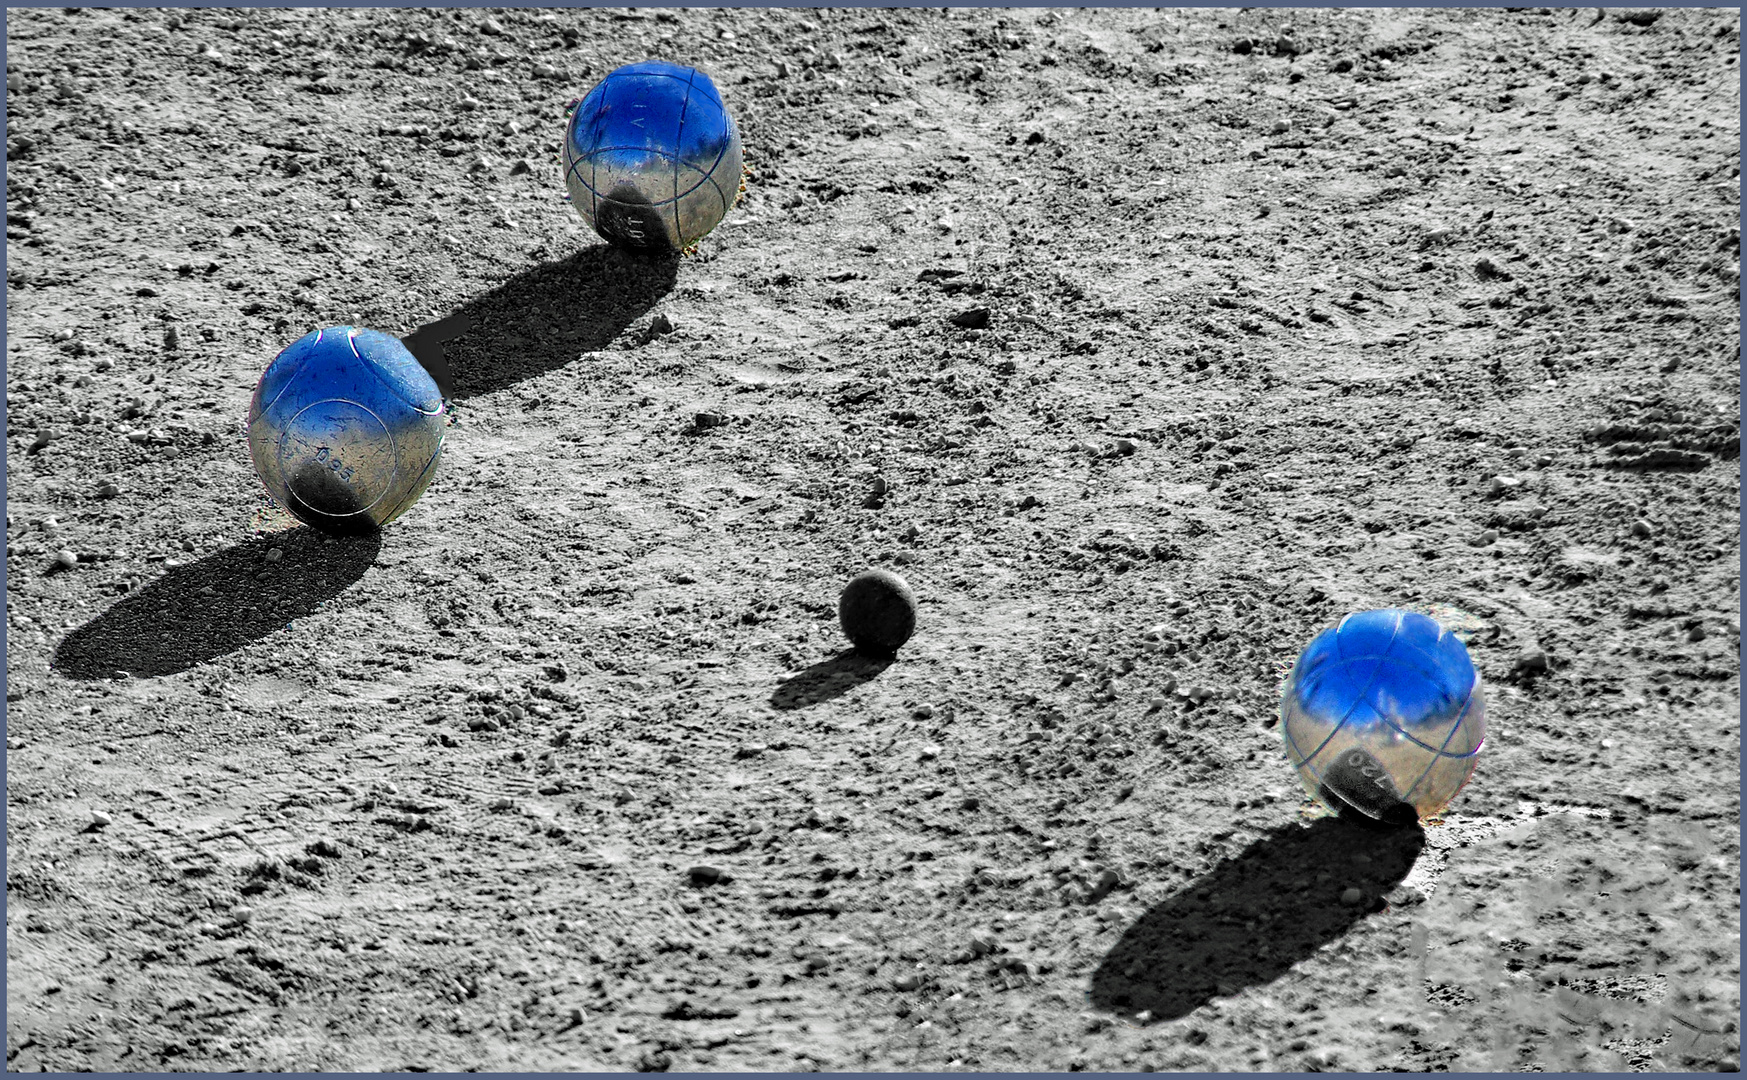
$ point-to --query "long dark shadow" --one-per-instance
(216, 605)
(827, 679)
(541, 319)
(1253, 916)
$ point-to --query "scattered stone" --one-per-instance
(929, 752)
(275, 554)
(521, 167)
(325, 849)
(65, 559)
(1404, 896)
(1499, 486)
(704, 421)
(1488, 269)
(976, 318)
(911, 981)
(750, 750)
(1697, 633)
(709, 875)
(101, 819)
(1486, 537)
(1642, 528)
(1351, 896)
(1243, 46)
(1532, 660)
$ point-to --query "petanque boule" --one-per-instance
(652, 157)
(345, 429)
(1384, 715)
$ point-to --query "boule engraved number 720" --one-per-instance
(1362, 761)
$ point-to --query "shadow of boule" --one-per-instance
(1252, 917)
(216, 605)
(542, 319)
(828, 679)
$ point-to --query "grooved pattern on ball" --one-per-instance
(651, 157)
(345, 429)
(878, 612)
(1385, 708)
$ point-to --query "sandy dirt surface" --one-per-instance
(1144, 344)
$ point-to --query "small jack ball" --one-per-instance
(878, 612)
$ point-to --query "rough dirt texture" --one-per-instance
(1143, 344)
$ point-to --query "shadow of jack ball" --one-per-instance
(652, 159)
(1384, 716)
(345, 429)
(878, 612)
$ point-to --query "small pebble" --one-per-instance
(1499, 485)
(1487, 536)
(275, 554)
(708, 875)
(1642, 528)
(1532, 659)
(101, 818)
(930, 752)
(65, 559)
(1351, 896)
(1697, 633)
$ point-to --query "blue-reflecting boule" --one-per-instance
(345, 429)
(1384, 714)
(652, 158)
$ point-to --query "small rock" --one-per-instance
(1642, 528)
(1404, 896)
(929, 752)
(275, 554)
(66, 559)
(1532, 660)
(1501, 485)
(1243, 46)
(101, 819)
(704, 421)
(976, 318)
(907, 982)
(491, 26)
(660, 325)
(1351, 896)
(1487, 536)
(521, 167)
(923, 712)
(709, 875)
(1697, 633)
(750, 750)
(1128, 447)
(879, 486)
